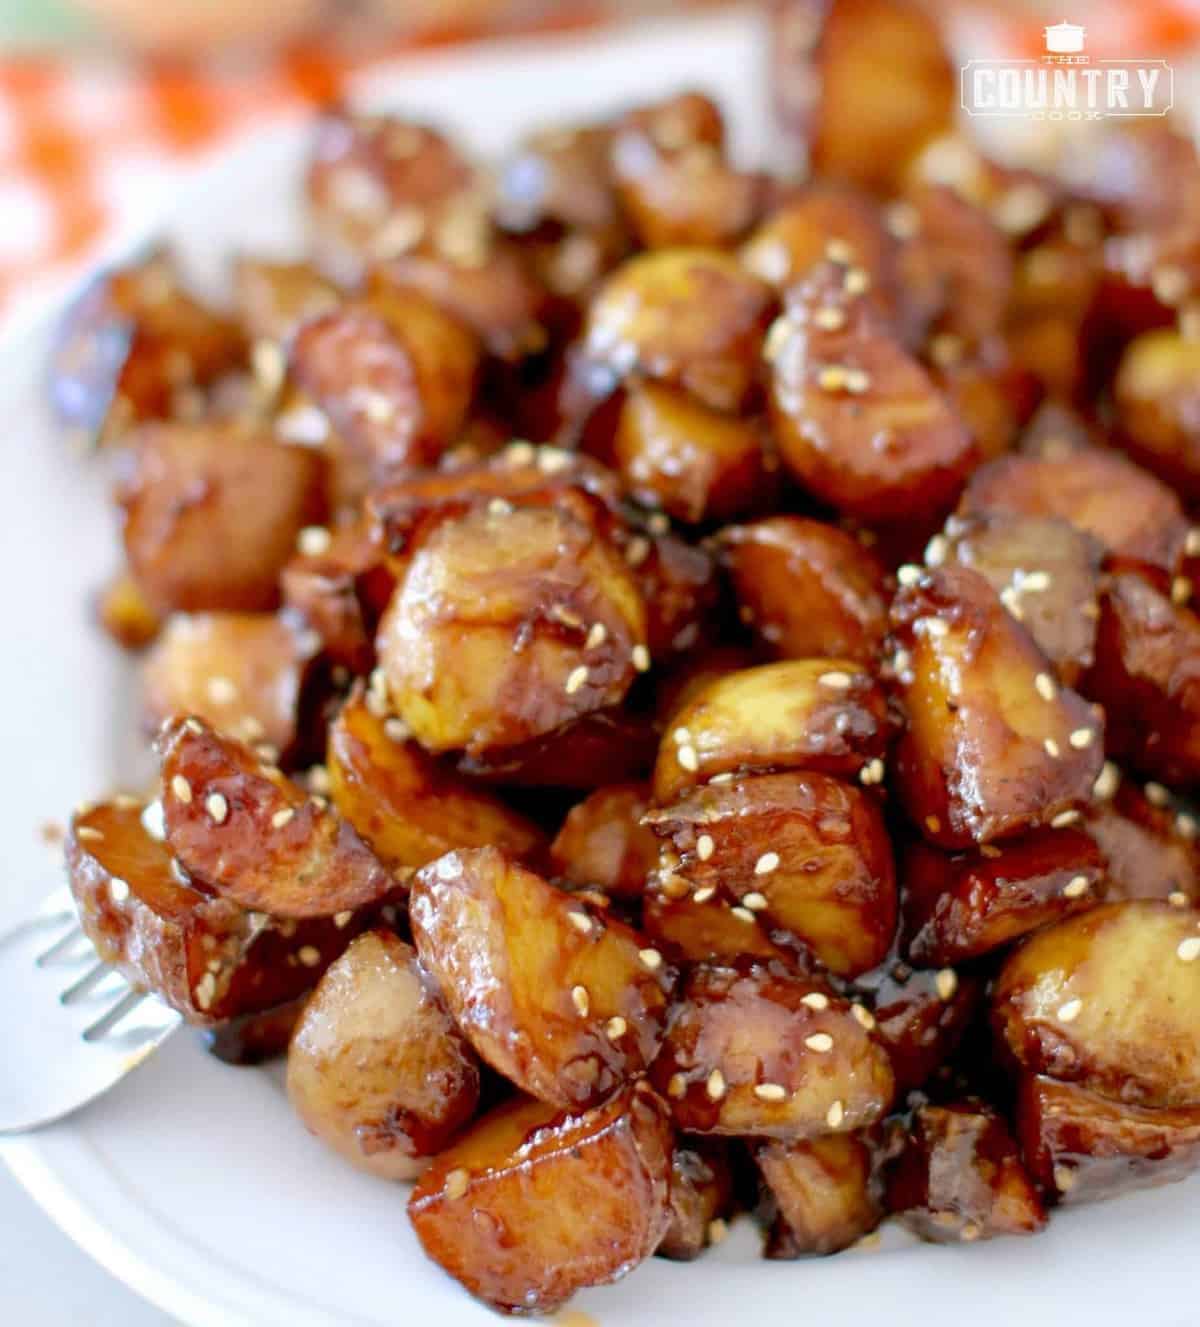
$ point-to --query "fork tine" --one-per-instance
(91, 978)
(60, 947)
(106, 1022)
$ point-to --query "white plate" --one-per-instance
(194, 1182)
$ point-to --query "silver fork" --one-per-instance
(73, 1027)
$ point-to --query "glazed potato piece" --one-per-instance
(755, 1050)
(211, 515)
(692, 318)
(603, 843)
(701, 1198)
(244, 673)
(827, 715)
(134, 347)
(958, 906)
(1080, 1148)
(994, 746)
(1108, 1000)
(405, 805)
(274, 299)
(691, 932)
(251, 1039)
(808, 589)
(1150, 851)
(988, 387)
(509, 623)
(678, 581)
(533, 1203)
(126, 614)
(203, 955)
(377, 1069)
(394, 373)
(859, 422)
(255, 836)
(960, 1178)
(920, 1015)
(803, 856)
(673, 181)
(1046, 573)
(1154, 392)
(824, 1191)
(698, 464)
(1132, 514)
(1147, 675)
(563, 1001)
(559, 176)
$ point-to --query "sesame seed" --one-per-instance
(821, 1042)
(767, 863)
(970, 1232)
(839, 251)
(1177, 898)
(1069, 1012)
(936, 627)
(1052, 748)
(1044, 684)
(815, 1000)
(118, 890)
(217, 808)
(742, 914)
(314, 540)
(1191, 545)
(221, 690)
(1189, 950)
(637, 550)
(182, 789)
(717, 1230)
(520, 453)
(831, 378)
(686, 755)
(903, 221)
(703, 894)
(835, 1115)
(342, 919)
(858, 381)
(1064, 818)
(650, 958)
(206, 988)
(715, 1086)
(936, 550)
(86, 832)
(858, 281)
(946, 983)
(838, 681)
(1064, 1178)
(863, 1016)
(705, 847)
(576, 679)
(933, 824)
(552, 460)
(1186, 826)
(596, 636)
(725, 777)
(579, 998)
(829, 318)
(640, 658)
(676, 1086)
(396, 730)
(1181, 590)
(500, 507)
(1156, 794)
(1077, 887)
(309, 955)
(281, 817)
(152, 821)
(1082, 738)
(1107, 781)
(1035, 582)
(872, 772)
(776, 338)
(457, 1183)
(770, 1092)
(945, 348)
(908, 574)
(1011, 599)
(755, 901)
(581, 922)
(990, 850)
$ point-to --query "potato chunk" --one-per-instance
(394, 373)
(701, 1197)
(405, 805)
(274, 299)
(961, 905)
(691, 932)
(859, 422)
(960, 1178)
(376, 1067)
(754, 1050)
(808, 589)
(255, 836)
(698, 464)
(994, 746)
(603, 842)
(806, 855)
(825, 1193)
(690, 318)
(1155, 395)
(244, 673)
(565, 1002)
(211, 515)
(827, 715)
(1149, 850)
(204, 956)
(1081, 1148)
(508, 623)
(1109, 1000)
(532, 1203)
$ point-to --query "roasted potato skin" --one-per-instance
(811, 853)
(404, 804)
(244, 673)
(204, 956)
(227, 819)
(962, 905)
(1080, 1147)
(986, 755)
(604, 844)
(738, 1029)
(808, 589)
(211, 515)
(702, 1184)
(376, 1068)
(553, 1202)
(1107, 1000)
(535, 977)
(826, 715)
(825, 1192)
(960, 1178)
(1154, 392)
(486, 641)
